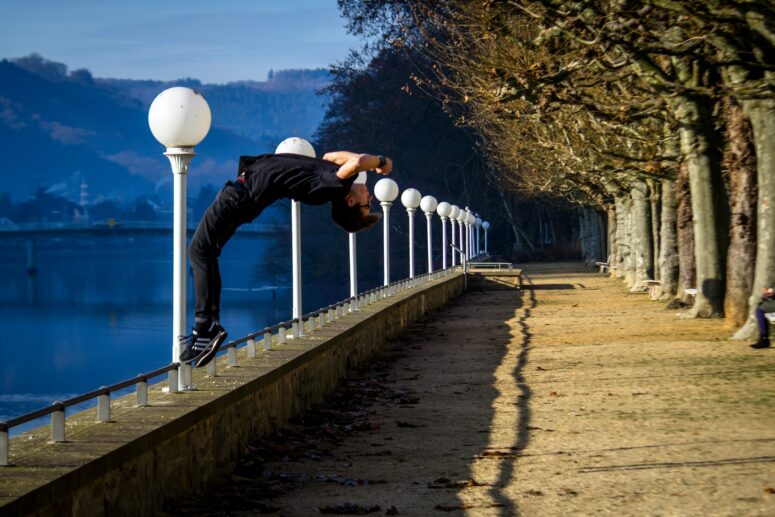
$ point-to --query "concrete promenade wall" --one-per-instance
(148, 456)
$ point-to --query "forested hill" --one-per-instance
(285, 104)
(60, 127)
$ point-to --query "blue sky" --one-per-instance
(213, 41)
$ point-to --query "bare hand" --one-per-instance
(385, 169)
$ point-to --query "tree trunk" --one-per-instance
(511, 222)
(687, 278)
(594, 244)
(602, 233)
(654, 200)
(668, 249)
(740, 163)
(761, 113)
(629, 246)
(709, 207)
(612, 247)
(641, 235)
(622, 246)
(584, 237)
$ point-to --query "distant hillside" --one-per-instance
(286, 104)
(59, 127)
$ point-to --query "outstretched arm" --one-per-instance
(352, 163)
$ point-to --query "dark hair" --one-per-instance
(350, 218)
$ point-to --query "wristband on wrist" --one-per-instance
(382, 161)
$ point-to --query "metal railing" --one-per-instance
(276, 333)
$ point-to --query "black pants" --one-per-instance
(231, 208)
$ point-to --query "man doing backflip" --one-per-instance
(261, 180)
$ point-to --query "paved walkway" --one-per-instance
(572, 397)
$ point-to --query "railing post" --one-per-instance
(251, 348)
(58, 423)
(103, 405)
(322, 318)
(295, 329)
(141, 390)
(311, 323)
(212, 368)
(185, 377)
(232, 357)
(3, 444)
(172, 381)
(267, 341)
(281, 335)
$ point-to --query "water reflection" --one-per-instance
(99, 311)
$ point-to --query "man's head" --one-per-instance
(353, 211)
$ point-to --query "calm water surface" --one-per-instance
(99, 311)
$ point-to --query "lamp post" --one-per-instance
(453, 215)
(296, 145)
(461, 223)
(428, 205)
(471, 225)
(486, 226)
(471, 222)
(410, 198)
(444, 210)
(179, 119)
(386, 191)
(465, 214)
(478, 224)
(360, 179)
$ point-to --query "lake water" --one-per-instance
(99, 311)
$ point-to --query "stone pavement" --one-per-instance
(571, 397)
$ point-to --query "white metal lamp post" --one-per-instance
(386, 190)
(471, 226)
(453, 215)
(486, 226)
(428, 205)
(464, 216)
(461, 223)
(478, 224)
(444, 210)
(410, 198)
(179, 119)
(296, 145)
(360, 179)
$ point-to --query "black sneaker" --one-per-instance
(197, 343)
(762, 343)
(215, 337)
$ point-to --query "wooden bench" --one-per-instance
(502, 274)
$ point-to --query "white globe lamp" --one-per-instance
(386, 190)
(410, 198)
(179, 118)
(296, 145)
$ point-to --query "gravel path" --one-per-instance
(572, 397)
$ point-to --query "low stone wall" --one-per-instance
(149, 456)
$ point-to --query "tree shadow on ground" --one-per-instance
(435, 424)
